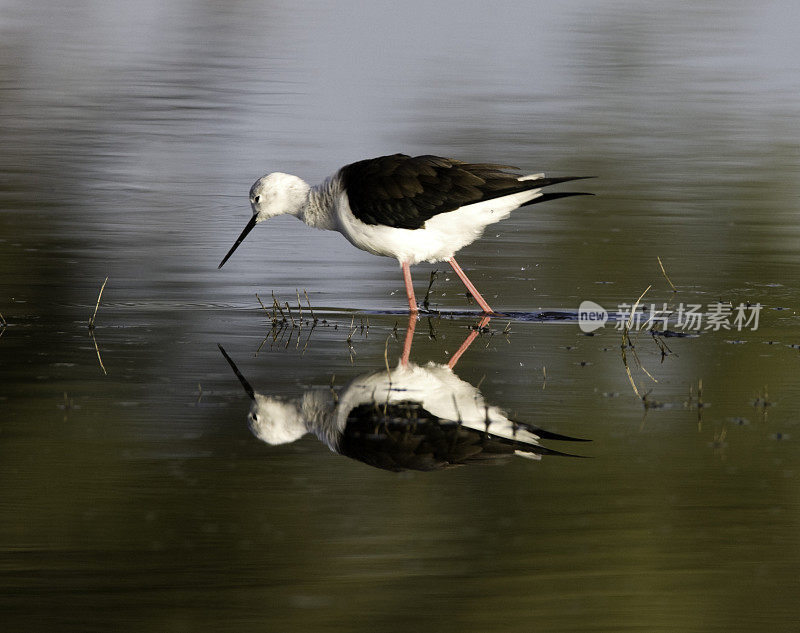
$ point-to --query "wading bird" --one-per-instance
(416, 417)
(415, 209)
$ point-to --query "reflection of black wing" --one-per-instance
(404, 436)
(404, 192)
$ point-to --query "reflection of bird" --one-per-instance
(416, 209)
(414, 417)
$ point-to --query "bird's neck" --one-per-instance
(294, 197)
(319, 210)
(317, 406)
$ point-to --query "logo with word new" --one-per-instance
(591, 316)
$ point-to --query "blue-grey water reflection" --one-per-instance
(134, 496)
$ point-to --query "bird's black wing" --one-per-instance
(405, 436)
(404, 191)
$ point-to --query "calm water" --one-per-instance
(135, 496)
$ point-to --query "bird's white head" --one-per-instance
(278, 194)
(271, 195)
(276, 421)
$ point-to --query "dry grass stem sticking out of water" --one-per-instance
(272, 316)
(426, 300)
(671, 285)
(281, 325)
(3, 321)
(647, 325)
(97, 305)
(278, 306)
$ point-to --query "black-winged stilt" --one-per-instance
(417, 417)
(415, 209)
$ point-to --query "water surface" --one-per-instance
(135, 495)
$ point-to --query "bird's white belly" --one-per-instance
(407, 245)
(441, 237)
(439, 391)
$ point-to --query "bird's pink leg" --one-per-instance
(472, 289)
(468, 341)
(412, 323)
(412, 302)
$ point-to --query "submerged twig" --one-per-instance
(762, 400)
(626, 342)
(305, 292)
(264, 340)
(97, 349)
(628, 372)
(308, 338)
(299, 306)
(3, 321)
(431, 330)
(349, 341)
(334, 393)
(289, 310)
(386, 360)
(97, 305)
(665, 349)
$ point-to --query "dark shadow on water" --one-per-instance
(537, 316)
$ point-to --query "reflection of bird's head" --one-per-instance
(276, 421)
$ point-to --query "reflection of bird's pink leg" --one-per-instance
(468, 341)
(472, 289)
(412, 302)
(412, 323)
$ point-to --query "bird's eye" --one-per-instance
(256, 199)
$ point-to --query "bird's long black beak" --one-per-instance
(236, 371)
(251, 223)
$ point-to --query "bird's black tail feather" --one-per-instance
(538, 183)
(553, 196)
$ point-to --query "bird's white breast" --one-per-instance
(441, 237)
